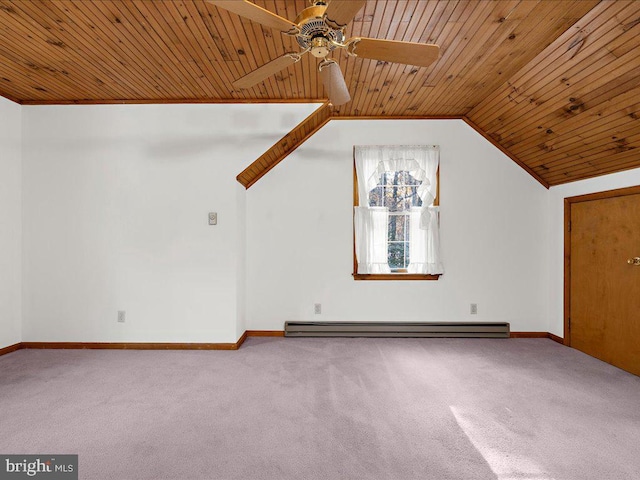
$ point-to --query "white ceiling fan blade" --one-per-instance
(334, 83)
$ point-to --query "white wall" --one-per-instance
(494, 232)
(10, 223)
(556, 217)
(241, 261)
(114, 206)
(115, 218)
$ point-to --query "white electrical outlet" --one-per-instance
(121, 316)
(213, 218)
(473, 310)
(317, 308)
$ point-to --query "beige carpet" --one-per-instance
(307, 409)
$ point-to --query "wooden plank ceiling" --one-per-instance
(556, 84)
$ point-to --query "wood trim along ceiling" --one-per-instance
(284, 147)
(290, 142)
(555, 85)
(500, 147)
(287, 144)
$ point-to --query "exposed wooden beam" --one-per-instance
(285, 146)
(322, 116)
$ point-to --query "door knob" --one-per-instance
(634, 261)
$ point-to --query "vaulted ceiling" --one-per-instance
(554, 84)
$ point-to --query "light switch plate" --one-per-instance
(213, 218)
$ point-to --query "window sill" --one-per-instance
(394, 276)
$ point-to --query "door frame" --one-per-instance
(568, 201)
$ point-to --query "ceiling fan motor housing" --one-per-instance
(315, 34)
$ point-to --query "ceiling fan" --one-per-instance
(319, 29)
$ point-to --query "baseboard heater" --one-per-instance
(395, 329)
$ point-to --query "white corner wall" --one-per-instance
(10, 223)
(556, 216)
(494, 232)
(116, 199)
(241, 260)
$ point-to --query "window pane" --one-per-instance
(396, 255)
(388, 198)
(375, 197)
(395, 199)
(397, 191)
(409, 198)
(405, 196)
(416, 201)
(411, 181)
(407, 256)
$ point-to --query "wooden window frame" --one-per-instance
(399, 276)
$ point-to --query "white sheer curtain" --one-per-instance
(371, 222)
(372, 226)
(424, 243)
(421, 161)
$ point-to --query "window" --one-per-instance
(396, 229)
(398, 192)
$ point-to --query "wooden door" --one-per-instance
(605, 289)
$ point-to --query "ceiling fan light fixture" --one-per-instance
(320, 47)
(334, 83)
